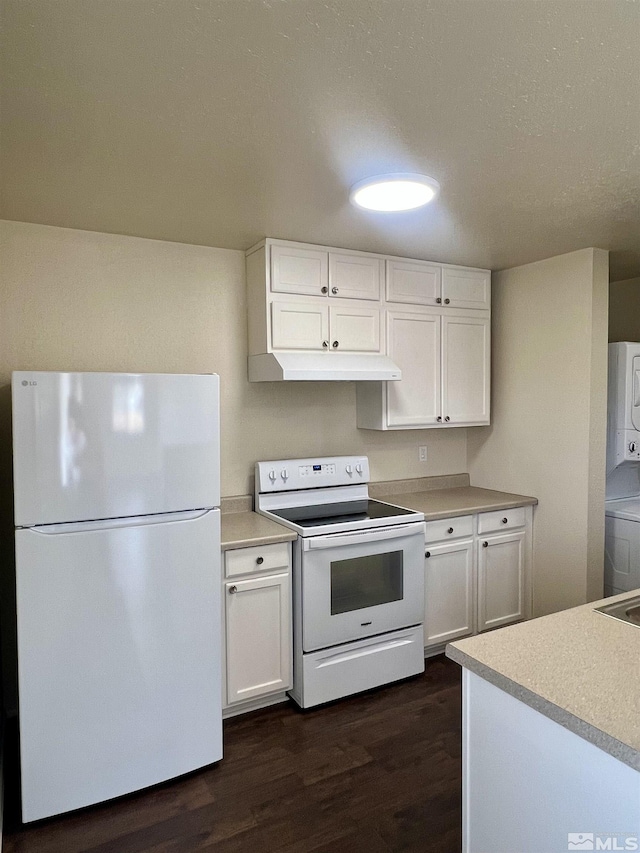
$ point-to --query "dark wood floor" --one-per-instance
(375, 773)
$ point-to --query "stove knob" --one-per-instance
(272, 475)
(284, 474)
(359, 468)
(349, 470)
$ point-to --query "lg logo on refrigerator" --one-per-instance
(26, 382)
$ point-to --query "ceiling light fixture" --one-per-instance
(398, 191)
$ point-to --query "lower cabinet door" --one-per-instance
(500, 579)
(258, 636)
(448, 592)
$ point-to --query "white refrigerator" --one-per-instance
(117, 493)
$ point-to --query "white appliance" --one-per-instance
(358, 576)
(116, 483)
(622, 507)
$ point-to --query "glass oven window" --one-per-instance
(366, 581)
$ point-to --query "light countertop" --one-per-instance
(577, 667)
(245, 529)
(462, 500)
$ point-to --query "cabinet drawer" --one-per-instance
(449, 528)
(502, 519)
(259, 558)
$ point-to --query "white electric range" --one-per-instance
(358, 576)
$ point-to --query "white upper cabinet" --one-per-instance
(317, 272)
(354, 328)
(413, 342)
(466, 288)
(445, 364)
(355, 276)
(296, 270)
(300, 325)
(431, 320)
(465, 369)
(414, 282)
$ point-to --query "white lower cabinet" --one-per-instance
(500, 579)
(479, 580)
(448, 591)
(257, 618)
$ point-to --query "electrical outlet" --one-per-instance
(422, 453)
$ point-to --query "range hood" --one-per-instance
(285, 366)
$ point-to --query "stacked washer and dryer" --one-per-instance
(622, 506)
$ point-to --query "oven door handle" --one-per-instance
(315, 543)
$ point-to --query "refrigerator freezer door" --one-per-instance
(107, 445)
(119, 666)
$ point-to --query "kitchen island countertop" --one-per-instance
(577, 667)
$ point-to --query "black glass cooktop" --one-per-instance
(339, 513)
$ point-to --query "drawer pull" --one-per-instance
(260, 560)
(485, 544)
(505, 520)
(233, 589)
(450, 530)
(427, 553)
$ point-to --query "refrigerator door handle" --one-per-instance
(113, 523)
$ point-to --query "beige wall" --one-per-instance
(624, 310)
(79, 300)
(549, 416)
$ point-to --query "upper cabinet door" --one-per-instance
(303, 271)
(413, 342)
(465, 369)
(355, 276)
(355, 328)
(462, 288)
(300, 325)
(414, 282)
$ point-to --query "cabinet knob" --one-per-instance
(324, 289)
(450, 530)
(485, 544)
(335, 344)
(438, 300)
(439, 419)
(427, 553)
(334, 290)
(447, 301)
(325, 344)
(260, 560)
(447, 419)
(505, 520)
(233, 589)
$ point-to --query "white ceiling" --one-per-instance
(220, 122)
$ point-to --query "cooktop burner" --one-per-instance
(339, 513)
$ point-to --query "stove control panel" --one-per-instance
(293, 474)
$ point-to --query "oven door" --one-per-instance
(361, 583)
